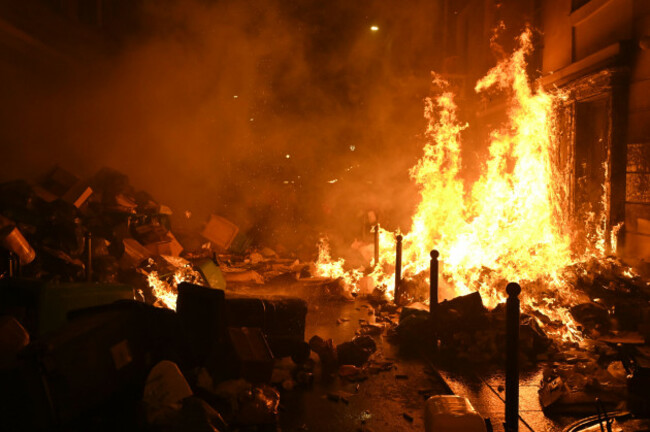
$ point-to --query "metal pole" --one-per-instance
(512, 357)
(11, 264)
(89, 256)
(433, 292)
(398, 270)
(17, 267)
(376, 245)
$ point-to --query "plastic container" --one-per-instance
(451, 413)
(13, 240)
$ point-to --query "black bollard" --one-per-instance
(398, 269)
(433, 292)
(376, 245)
(11, 264)
(17, 267)
(89, 256)
(512, 357)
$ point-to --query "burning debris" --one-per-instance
(513, 224)
(586, 315)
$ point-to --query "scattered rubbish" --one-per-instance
(164, 391)
(13, 339)
(352, 373)
(251, 353)
(220, 231)
(451, 413)
(12, 239)
(258, 407)
(357, 351)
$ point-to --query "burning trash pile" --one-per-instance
(513, 224)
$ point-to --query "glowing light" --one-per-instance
(512, 224)
(326, 267)
(374, 28)
(165, 289)
(353, 148)
(288, 156)
(332, 181)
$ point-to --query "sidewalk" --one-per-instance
(483, 392)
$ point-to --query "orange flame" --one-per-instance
(166, 289)
(326, 267)
(512, 224)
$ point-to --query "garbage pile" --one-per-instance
(109, 318)
(66, 229)
(611, 362)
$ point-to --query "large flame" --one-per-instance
(512, 225)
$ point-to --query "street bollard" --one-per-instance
(11, 264)
(17, 267)
(376, 245)
(512, 357)
(89, 256)
(433, 294)
(398, 270)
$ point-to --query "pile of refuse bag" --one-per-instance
(112, 320)
(127, 365)
(607, 360)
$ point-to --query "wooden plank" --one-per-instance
(637, 188)
(638, 158)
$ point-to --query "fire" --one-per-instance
(325, 267)
(512, 223)
(165, 289)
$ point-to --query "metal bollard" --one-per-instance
(398, 270)
(17, 265)
(89, 256)
(11, 264)
(433, 292)
(376, 245)
(512, 357)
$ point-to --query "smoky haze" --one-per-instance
(289, 117)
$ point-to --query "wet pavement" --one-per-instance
(381, 402)
(386, 402)
(486, 393)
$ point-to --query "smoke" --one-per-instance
(290, 118)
